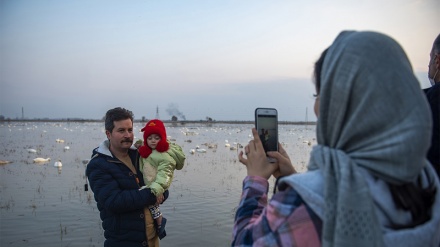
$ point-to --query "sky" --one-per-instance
(192, 59)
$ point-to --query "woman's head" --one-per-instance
(373, 119)
(370, 102)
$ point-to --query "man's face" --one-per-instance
(153, 140)
(434, 64)
(121, 137)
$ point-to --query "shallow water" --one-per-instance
(42, 205)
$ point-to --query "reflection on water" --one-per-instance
(44, 205)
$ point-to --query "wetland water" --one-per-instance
(42, 205)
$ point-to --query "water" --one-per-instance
(42, 205)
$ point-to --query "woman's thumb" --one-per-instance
(276, 155)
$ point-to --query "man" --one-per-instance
(115, 179)
(433, 95)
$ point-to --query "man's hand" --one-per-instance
(160, 199)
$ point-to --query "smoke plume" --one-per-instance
(173, 110)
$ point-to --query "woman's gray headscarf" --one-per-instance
(372, 116)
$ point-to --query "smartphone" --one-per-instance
(266, 123)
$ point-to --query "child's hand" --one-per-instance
(160, 199)
(138, 143)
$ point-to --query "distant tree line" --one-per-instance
(174, 119)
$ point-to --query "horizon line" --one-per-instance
(182, 122)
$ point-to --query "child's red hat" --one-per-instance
(154, 126)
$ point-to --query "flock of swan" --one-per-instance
(44, 160)
(197, 149)
(41, 160)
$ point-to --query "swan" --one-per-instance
(3, 162)
(59, 140)
(58, 164)
(192, 151)
(308, 142)
(235, 146)
(200, 150)
(41, 160)
(66, 148)
(211, 146)
(31, 150)
(190, 133)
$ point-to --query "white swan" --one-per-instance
(58, 164)
(41, 160)
(66, 148)
(200, 150)
(31, 150)
(59, 140)
(308, 142)
(4, 162)
(211, 146)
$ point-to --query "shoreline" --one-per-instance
(178, 122)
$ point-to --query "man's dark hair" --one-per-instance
(436, 45)
(116, 114)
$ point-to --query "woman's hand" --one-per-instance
(256, 162)
(285, 166)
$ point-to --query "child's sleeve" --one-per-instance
(176, 152)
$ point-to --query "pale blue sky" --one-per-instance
(221, 59)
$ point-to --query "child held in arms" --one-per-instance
(159, 159)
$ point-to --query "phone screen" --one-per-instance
(266, 123)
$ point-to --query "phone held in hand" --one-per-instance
(266, 123)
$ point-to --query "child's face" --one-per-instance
(153, 140)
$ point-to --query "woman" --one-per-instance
(368, 181)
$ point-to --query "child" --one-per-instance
(159, 159)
